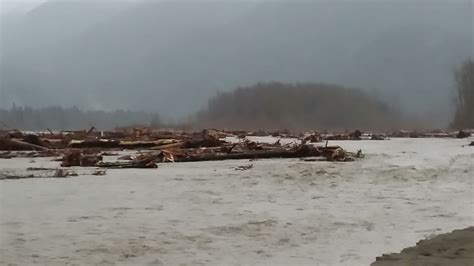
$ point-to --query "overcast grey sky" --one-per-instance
(90, 53)
(24, 5)
(12, 5)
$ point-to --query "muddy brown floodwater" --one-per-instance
(279, 212)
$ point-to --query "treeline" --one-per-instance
(59, 118)
(299, 107)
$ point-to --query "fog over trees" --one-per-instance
(58, 118)
(170, 57)
(308, 106)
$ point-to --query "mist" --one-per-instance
(171, 57)
(236, 132)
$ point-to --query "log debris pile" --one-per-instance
(251, 151)
(359, 135)
(89, 148)
(431, 134)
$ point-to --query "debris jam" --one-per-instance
(88, 148)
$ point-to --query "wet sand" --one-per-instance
(454, 249)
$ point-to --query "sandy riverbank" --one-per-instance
(454, 249)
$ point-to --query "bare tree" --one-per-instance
(464, 80)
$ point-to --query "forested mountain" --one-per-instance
(172, 56)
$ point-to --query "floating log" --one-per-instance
(301, 151)
(131, 164)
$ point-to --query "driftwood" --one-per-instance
(137, 144)
(114, 144)
(331, 153)
(105, 144)
(462, 134)
(206, 141)
(6, 155)
(377, 137)
(177, 145)
(99, 172)
(313, 138)
(301, 151)
(131, 164)
(142, 161)
(18, 145)
(78, 158)
(356, 135)
(208, 145)
(33, 139)
(244, 167)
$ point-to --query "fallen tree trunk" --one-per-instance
(17, 145)
(177, 145)
(206, 141)
(112, 144)
(124, 165)
(106, 144)
(137, 144)
(144, 161)
(303, 151)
